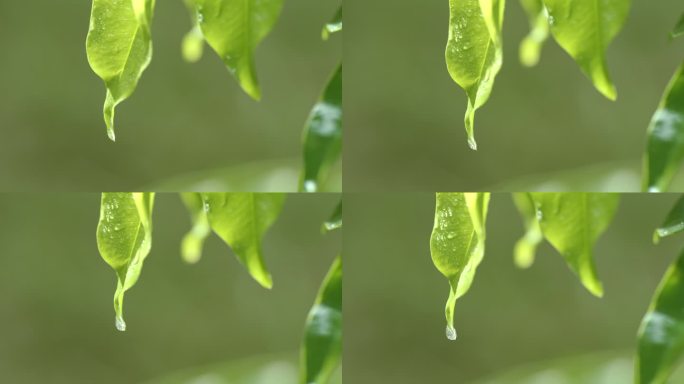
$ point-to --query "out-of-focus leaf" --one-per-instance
(572, 223)
(674, 223)
(323, 136)
(193, 41)
(335, 221)
(665, 148)
(457, 243)
(334, 25)
(679, 28)
(193, 242)
(585, 28)
(234, 28)
(119, 48)
(124, 239)
(661, 334)
(526, 247)
(474, 52)
(241, 220)
(530, 47)
(322, 346)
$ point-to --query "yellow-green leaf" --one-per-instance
(335, 221)
(334, 25)
(530, 47)
(679, 28)
(193, 41)
(193, 242)
(526, 247)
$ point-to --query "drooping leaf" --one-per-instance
(193, 242)
(323, 136)
(335, 221)
(322, 347)
(679, 28)
(572, 223)
(334, 25)
(119, 48)
(457, 243)
(193, 41)
(674, 222)
(233, 29)
(661, 334)
(124, 239)
(530, 47)
(474, 52)
(526, 247)
(241, 220)
(665, 148)
(585, 28)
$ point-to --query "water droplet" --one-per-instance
(540, 214)
(654, 190)
(472, 144)
(451, 235)
(207, 207)
(310, 186)
(120, 323)
(451, 333)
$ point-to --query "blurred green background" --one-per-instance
(405, 114)
(57, 319)
(183, 118)
(394, 306)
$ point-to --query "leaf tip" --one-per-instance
(120, 323)
(451, 332)
(472, 143)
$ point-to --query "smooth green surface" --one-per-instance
(335, 220)
(665, 147)
(457, 244)
(124, 239)
(234, 29)
(119, 47)
(526, 248)
(661, 335)
(334, 25)
(323, 136)
(193, 241)
(531, 45)
(241, 220)
(322, 347)
(679, 28)
(673, 223)
(473, 53)
(585, 29)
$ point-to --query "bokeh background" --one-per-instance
(183, 120)
(208, 320)
(543, 128)
(541, 318)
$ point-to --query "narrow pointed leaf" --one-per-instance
(323, 136)
(526, 247)
(322, 347)
(335, 221)
(233, 29)
(119, 48)
(241, 220)
(665, 148)
(457, 243)
(193, 242)
(334, 25)
(193, 41)
(679, 28)
(124, 239)
(531, 46)
(661, 334)
(572, 223)
(585, 29)
(674, 223)
(474, 52)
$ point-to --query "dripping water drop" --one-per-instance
(120, 323)
(451, 333)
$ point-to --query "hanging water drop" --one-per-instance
(451, 333)
(120, 323)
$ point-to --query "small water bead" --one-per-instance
(120, 323)
(451, 333)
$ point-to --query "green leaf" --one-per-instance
(661, 334)
(241, 220)
(530, 47)
(322, 347)
(193, 41)
(585, 28)
(665, 148)
(233, 29)
(526, 247)
(572, 223)
(679, 28)
(193, 242)
(674, 223)
(474, 52)
(124, 239)
(119, 48)
(335, 221)
(323, 136)
(334, 25)
(457, 243)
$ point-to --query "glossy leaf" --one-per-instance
(572, 223)
(474, 53)
(457, 243)
(585, 28)
(661, 334)
(526, 247)
(335, 221)
(530, 47)
(241, 220)
(322, 346)
(665, 148)
(193, 41)
(679, 28)
(674, 222)
(233, 29)
(323, 136)
(124, 239)
(193, 242)
(334, 25)
(119, 48)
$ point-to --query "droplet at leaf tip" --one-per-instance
(120, 323)
(472, 143)
(451, 333)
